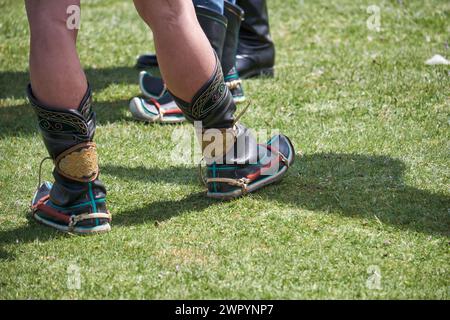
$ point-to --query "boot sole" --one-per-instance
(106, 227)
(251, 188)
(138, 112)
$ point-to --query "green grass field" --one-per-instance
(368, 194)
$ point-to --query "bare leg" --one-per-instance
(194, 77)
(56, 75)
(76, 201)
(185, 56)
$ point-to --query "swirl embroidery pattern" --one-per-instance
(54, 121)
(214, 94)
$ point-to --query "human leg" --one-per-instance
(236, 163)
(75, 202)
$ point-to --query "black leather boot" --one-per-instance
(256, 51)
(75, 202)
(234, 15)
(236, 164)
(214, 25)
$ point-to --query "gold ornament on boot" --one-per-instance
(79, 163)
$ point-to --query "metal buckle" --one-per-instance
(243, 182)
(72, 222)
(283, 159)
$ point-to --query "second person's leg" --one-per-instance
(222, 31)
(256, 51)
(236, 164)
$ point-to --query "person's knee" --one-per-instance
(163, 13)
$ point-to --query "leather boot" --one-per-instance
(234, 15)
(214, 25)
(236, 164)
(256, 51)
(75, 202)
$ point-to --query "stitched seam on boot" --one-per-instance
(94, 205)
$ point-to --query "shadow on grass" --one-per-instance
(351, 184)
(164, 210)
(359, 186)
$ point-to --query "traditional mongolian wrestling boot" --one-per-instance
(154, 106)
(234, 15)
(75, 202)
(256, 51)
(236, 164)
